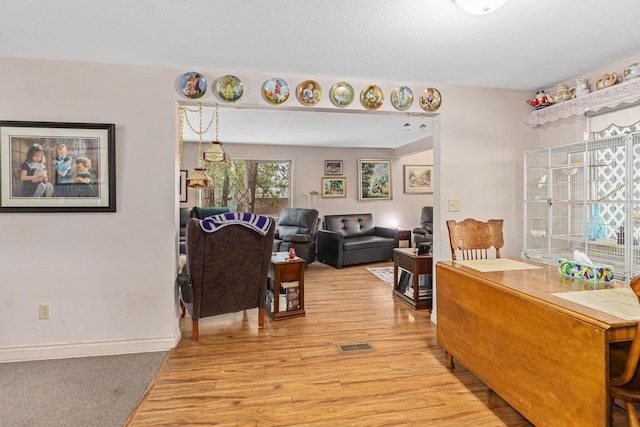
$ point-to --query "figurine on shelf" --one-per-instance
(540, 101)
(292, 254)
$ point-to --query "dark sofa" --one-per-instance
(354, 239)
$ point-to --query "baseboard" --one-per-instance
(96, 348)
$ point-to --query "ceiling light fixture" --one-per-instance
(215, 152)
(480, 7)
(199, 178)
(407, 125)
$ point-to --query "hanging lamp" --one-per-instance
(215, 152)
(199, 178)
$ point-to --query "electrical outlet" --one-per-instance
(45, 311)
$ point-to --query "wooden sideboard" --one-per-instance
(545, 355)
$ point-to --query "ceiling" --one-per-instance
(526, 45)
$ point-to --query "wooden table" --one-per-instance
(282, 270)
(547, 356)
(407, 259)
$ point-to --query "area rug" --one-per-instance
(383, 273)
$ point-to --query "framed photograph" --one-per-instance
(418, 179)
(374, 179)
(57, 167)
(334, 187)
(333, 167)
(183, 186)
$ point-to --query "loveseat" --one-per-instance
(297, 229)
(351, 239)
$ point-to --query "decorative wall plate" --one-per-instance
(430, 100)
(342, 94)
(192, 85)
(276, 90)
(372, 97)
(309, 92)
(402, 98)
(229, 88)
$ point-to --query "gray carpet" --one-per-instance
(90, 391)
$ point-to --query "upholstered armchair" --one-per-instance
(228, 258)
(424, 232)
(297, 228)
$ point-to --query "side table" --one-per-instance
(285, 276)
(409, 260)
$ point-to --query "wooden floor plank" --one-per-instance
(291, 372)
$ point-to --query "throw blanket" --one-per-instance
(259, 223)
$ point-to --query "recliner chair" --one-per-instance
(424, 233)
(297, 228)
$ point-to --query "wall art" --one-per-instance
(57, 167)
(374, 179)
(334, 187)
(418, 179)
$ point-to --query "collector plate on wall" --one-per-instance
(275, 90)
(402, 98)
(309, 92)
(372, 97)
(229, 88)
(192, 84)
(342, 94)
(430, 100)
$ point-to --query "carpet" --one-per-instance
(96, 391)
(383, 273)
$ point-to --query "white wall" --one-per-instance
(109, 277)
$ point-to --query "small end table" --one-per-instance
(408, 259)
(287, 272)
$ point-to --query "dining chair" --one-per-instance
(623, 387)
(473, 238)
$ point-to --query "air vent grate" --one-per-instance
(350, 348)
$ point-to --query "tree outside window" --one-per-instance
(268, 183)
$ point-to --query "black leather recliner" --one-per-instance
(297, 228)
(353, 239)
(424, 233)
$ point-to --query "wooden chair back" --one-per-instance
(473, 238)
(623, 387)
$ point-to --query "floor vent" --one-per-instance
(349, 348)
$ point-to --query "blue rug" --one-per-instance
(383, 273)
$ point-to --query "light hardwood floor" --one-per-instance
(291, 373)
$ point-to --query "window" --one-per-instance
(268, 183)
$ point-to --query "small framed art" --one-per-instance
(334, 187)
(57, 167)
(418, 179)
(183, 186)
(374, 179)
(333, 167)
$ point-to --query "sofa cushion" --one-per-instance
(351, 225)
(367, 242)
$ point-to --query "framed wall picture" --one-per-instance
(57, 167)
(418, 179)
(334, 187)
(183, 186)
(333, 167)
(374, 180)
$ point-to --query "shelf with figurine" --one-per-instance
(567, 102)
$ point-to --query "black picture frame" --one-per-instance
(184, 193)
(72, 167)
